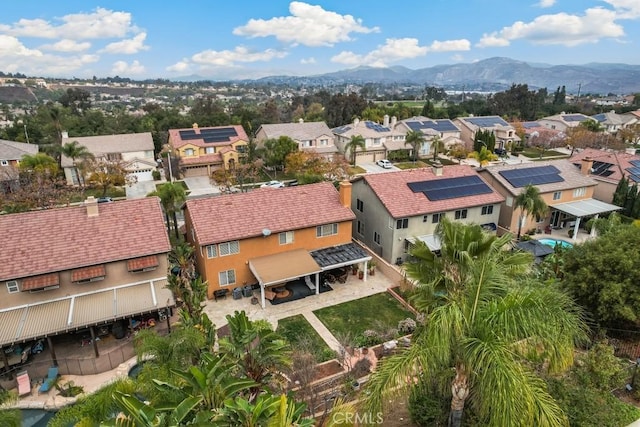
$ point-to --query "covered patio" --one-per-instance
(563, 213)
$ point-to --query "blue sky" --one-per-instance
(249, 39)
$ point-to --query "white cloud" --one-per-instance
(546, 3)
(306, 61)
(561, 28)
(67, 45)
(625, 9)
(102, 23)
(457, 57)
(449, 45)
(122, 68)
(180, 66)
(229, 58)
(308, 25)
(128, 46)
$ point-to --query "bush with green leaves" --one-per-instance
(406, 326)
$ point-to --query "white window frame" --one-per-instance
(487, 210)
(402, 223)
(327, 230)
(210, 150)
(227, 275)
(324, 142)
(229, 248)
(436, 217)
(579, 192)
(509, 201)
(557, 195)
(461, 214)
(13, 286)
(285, 238)
(189, 152)
(212, 251)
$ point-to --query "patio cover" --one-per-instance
(587, 207)
(282, 267)
(431, 240)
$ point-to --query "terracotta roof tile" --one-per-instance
(621, 161)
(243, 215)
(39, 282)
(87, 273)
(400, 201)
(143, 262)
(205, 159)
(66, 238)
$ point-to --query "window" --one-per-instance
(286, 237)
(436, 218)
(305, 144)
(210, 150)
(326, 230)
(579, 192)
(461, 214)
(376, 237)
(227, 277)
(557, 195)
(509, 201)
(425, 218)
(402, 223)
(487, 210)
(360, 228)
(324, 142)
(12, 286)
(114, 157)
(229, 248)
(360, 205)
(212, 251)
(189, 152)
(377, 141)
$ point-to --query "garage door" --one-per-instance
(190, 172)
(144, 175)
(364, 157)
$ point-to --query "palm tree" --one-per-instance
(40, 163)
(438, 147)
(74, 150)
(357, 141)
(531, 204)
(172, 196)
(485, 327)
(483, 156)
(9, 417)
(416, 140)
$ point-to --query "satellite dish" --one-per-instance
(266, 232)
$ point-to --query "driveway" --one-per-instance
(141, 189)
(200, 185)
(371, 167)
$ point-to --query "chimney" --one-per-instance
(385, 120)
(92, 206)
(195, 126)
(437, 168)
(64, 134)
(355, 122)
(587, 165)
(394, 120)
(345, 194)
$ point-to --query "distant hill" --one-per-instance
(11, 94)
(493, 74)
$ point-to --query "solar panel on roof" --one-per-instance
(574, 117)
(601, 168)
(210, 139)
(537, 175)
(634, 171)
(635, 163)
(487, 122)
(531, 125)
(635, 178)
(450, 188)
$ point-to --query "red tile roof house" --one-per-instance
(76, 268)
(201, 151)
(395, 209)
(272, 235)
(608, 168)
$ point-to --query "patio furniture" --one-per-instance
(50, 380)
(270, 295)
(24, 383)
(220, 294)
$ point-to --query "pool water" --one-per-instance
(554, 242)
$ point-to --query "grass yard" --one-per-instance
(356, 170)
(297, 330)
(369, 313)
(533, 153)
(411, 165)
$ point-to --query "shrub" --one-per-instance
(156, 175)
(361, 368)
(406, 326)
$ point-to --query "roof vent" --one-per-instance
(266, 232)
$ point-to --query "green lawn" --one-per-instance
(296, 329)
(410, 165)
(532, 153)
(369, 313)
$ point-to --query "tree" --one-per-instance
(602, 276)
(487, 327)
(309, 167)
(9, 417)
(484, 138)
(438, 146)
(238, 175)
(416, 140)
(530, 203)
(591, 125)
(278, 150)
(483, 156)
(74, 151)
(105, 174)
(172, 196)
(39, 163)
(458, 151)
(356, 141)
(183, 281)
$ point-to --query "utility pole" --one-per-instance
(579, 87)
(26, 135)
(170, 173)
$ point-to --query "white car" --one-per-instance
(273, 184)
(384, 163)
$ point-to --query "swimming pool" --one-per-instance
(554, 242)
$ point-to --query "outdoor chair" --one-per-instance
(24, 383)
(50, 380)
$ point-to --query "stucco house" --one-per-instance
(201, 151)
(10, 154)
(563, 121)
(375, 135)
(612, 122)
(607, 168)
(567, 190)
(310, 136)
(270, 236)
(82, 267)
(395, 209)
(444, 129)
(504, 132)
(134, 151)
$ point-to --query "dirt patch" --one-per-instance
(327, 369)
(397, 414)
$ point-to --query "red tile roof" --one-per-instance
(88, 273)
(176, 140)
(394, 193)
(243, 215)
(143, 262)
(39, 282)
(45, 241)
(621, 161)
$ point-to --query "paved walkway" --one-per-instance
(322, 330)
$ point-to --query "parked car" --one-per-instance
(384, 163)
(105, 200)
(500, 152)
(273, 184)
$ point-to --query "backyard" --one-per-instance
(368, 321)
(299, 333)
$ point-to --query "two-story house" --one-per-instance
(567, 190)
(201, 151)
(612, 122)
(443, 129)
(395, 209)
(310, 136)
(563, 121)
(269, 236)
(505, 133)
(608, 168)
(80, 267)
(10, 154)
(134, 151)
(375, 136)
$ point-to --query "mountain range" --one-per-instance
(493, 74)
